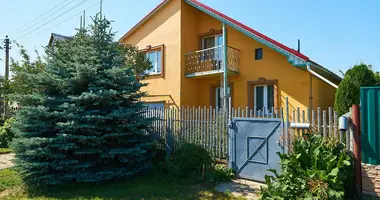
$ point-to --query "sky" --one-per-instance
(334, 33)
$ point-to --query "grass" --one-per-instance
(9, 178)
(5, 150)
(155, 186)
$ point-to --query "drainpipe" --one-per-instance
(310, 96)
(225, 68)
(319, 76)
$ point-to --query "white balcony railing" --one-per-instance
(210, 61)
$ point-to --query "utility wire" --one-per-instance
(28, 26)
(76, 5)
(63, 21)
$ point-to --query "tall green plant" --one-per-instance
(348, 92)
(83, 119)
(317, 168)
(6, 135)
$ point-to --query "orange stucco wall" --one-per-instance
(163, 28)
(179, 25)
(323, 94)
(292, 82)
(189, 43)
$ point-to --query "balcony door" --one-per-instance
(212, 41)
(212, 50)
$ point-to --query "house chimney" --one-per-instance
(299, 46)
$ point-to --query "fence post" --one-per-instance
(286, 126)
(169, 136)
(357, 148)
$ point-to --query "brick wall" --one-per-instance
(371, 180)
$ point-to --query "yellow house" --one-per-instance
(191, 46)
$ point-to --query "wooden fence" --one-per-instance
(207, 126)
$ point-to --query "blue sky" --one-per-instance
(337, 34)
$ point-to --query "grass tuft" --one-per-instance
(5, 150)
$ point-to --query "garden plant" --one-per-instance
(317, 168)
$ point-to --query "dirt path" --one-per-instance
(241, 188)
(6, 160)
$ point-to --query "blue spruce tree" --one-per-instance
(84, 121)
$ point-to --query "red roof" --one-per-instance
(251, 30)
(266, 38)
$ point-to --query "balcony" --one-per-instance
(209, 62)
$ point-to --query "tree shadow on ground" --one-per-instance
(149, 186)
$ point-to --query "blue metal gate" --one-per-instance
(253, 143)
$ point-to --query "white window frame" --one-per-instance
(155, 65)
(215, 40)
(265, 98)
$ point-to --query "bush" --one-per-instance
(316, 169)
(348, 92)
(6, 135)
(219, 174)
(189, 160)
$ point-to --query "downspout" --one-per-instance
(225, 68)
(319, 76)
(310, 96)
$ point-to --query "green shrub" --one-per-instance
(348, 92)
(189, 160)
(316, 169)
(219, 174)
(6, 135)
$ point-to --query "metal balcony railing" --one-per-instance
(210, 61)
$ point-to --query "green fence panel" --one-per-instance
(370, 124)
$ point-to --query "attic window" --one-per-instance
(259, 54)
(156, 56)
(155, 59)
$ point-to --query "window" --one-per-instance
(264, 97)
(219, 96)
(155, 58)
(155, 105)
(259, 54)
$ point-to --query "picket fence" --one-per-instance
(207, 126)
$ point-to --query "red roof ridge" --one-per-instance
(249, 29)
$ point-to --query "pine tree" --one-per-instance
(86, 125)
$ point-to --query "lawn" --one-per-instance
(8, 179)
(151, 186)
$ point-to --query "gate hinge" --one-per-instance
(230, 126)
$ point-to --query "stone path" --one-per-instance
(6, 160)
(240, 187)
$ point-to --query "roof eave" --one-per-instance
(327, 73)
(294, 57)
